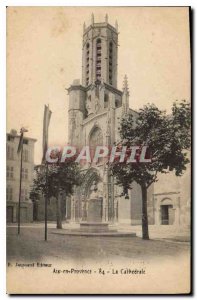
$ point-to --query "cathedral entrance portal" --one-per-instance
(92, 220)
(92, 202)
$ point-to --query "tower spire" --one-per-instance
(125, 96)
(125, 84)
(106, 18)
(92, 18)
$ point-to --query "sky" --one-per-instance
(44, 56)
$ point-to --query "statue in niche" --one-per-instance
(96, 190)
(102, 83)
(89, 106)
(97, 105)
(100, 189)
(93, 191)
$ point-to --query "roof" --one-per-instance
(18, 136)
(100, 25)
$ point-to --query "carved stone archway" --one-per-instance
(92, 175)
(91, 178)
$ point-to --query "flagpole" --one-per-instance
(47, 116)
(46, 202)
(20, 150)
(19, 200)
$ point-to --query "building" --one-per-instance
(95, 108)
(13, 177)
(172, 199)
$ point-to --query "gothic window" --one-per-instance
(87, 62)
(96, 138)
(98, 59)
(106, 100)
(110, 62)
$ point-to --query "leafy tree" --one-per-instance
(57, 179)
(167, 138)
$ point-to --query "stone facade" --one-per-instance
(13, 177)
(95, 109)
(172, 199)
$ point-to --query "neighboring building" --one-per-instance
(95, 109)
(13, 177)
(39, 209)
(172, 199)
(39, 203)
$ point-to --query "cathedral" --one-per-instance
(96, 106)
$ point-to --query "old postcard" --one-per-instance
(98, 150)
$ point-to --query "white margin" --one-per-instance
(3, 5)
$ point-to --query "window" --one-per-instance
(25, 155)
(10, 138)
(24, 194)
(24, 173)
(25, 141)
(96, 138)
(98, 59)
(117, 103)
(110, 62)
(10, 153)
(9, 193)
(87, 62)
(10, 172)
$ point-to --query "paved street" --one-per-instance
(30, 245)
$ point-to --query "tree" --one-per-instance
(167, 138)
(59, 178)
(34, 196)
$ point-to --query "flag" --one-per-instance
(21, 139)
(46, 120)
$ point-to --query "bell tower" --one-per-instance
(99, 54)
(96, 106)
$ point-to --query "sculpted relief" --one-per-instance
(93, 106)
(89, 106)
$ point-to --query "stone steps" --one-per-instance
(103, 234)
